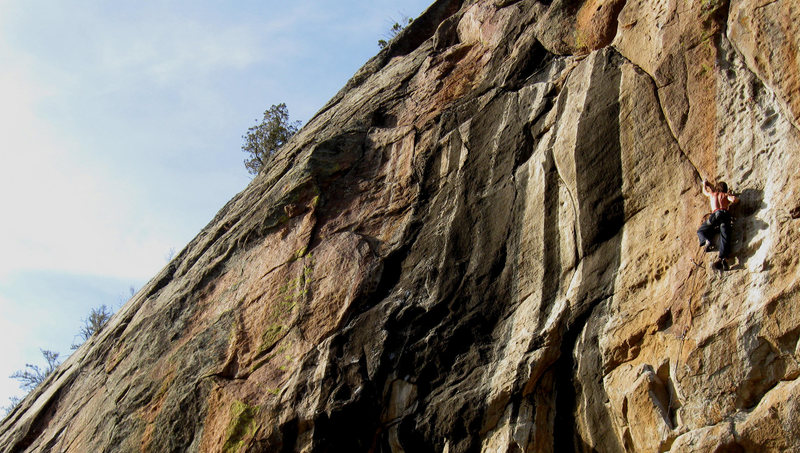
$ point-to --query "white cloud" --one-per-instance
(60, 213)
(69, 201)
(174, 52)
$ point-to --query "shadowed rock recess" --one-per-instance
(485, 242)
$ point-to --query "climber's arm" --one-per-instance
(707, 189)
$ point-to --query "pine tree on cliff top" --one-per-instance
(263, 140)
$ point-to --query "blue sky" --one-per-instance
(120, 136)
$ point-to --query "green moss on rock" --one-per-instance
(241, 427)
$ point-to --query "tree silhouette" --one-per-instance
(263, 140)
(395, 30)
(32, 375)
(97, 319)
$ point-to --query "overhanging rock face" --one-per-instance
(485, 242)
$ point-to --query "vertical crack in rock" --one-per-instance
(551, 274)
(598, 168)
(550, 282)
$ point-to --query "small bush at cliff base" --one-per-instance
(263, 140)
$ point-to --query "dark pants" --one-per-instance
(718, 221)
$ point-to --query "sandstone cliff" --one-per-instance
(485, 242)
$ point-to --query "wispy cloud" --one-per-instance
(171, 53)
(59, 212)
(66, 206)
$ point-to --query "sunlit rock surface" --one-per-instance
(485, 242)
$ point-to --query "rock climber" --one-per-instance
(719, 220)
